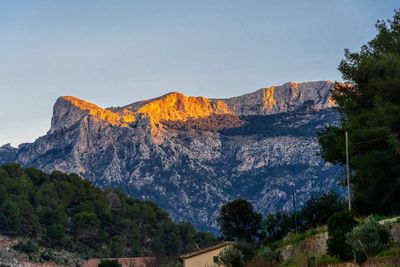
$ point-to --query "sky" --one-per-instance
(116, 52)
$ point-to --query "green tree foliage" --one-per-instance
(277, 225)
(238, 221)
(339, 225)
(369, 104)
(10, 218)
(27, 246)
(266, 257)
(55, 236)
(248, 250)
(109, 263)
(231, 257)
(65, 211)
(317, 210)
(368, 238)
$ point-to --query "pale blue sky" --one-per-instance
(116, 52)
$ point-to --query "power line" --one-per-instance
(375, 139)
(347, 159)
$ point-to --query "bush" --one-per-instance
(369, 238)
(269, 255)
(173, 264)
(109, 263)
(339, 224)
(231, 257)
(326, 259)
(27, 246)
(248, 250)
(259, 261)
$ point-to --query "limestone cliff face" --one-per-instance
(68, 110)
(192, 154)
(285, 98)
(178, 107)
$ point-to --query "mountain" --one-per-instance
(192, 154)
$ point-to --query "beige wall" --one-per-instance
(204, 259)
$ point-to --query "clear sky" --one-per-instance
(117, 52)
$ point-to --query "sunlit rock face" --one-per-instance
(285, 98)
(192, 154)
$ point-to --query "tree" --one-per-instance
(187, 234)
(205, 239)
(10, 218)
(339, 224)
(277, 225)
(56, 236)
(86, 226)
(369, 106)
(317, 211)
(237, 220)
(66, 211)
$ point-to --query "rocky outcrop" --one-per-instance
(285, 98)
(191, 154)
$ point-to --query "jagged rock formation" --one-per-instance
(191, 154)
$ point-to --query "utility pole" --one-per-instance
(348, 170)
(294, 209)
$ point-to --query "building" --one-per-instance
(205, 257)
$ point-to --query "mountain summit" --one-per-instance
(192, 154)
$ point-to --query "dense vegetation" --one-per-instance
(260, 241)
(239, 221)
(316, 212)
(65, 211)
(369, 106)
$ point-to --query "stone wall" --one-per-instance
(313, 246)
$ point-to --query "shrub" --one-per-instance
(231, 257)
(248, 250)
(173, 264)
(27, 246)
(268, 254)
(339, 224)
(259, 261)
(368, 238)
(109, 263)
(326, 259)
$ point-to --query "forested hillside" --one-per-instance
(64, 211)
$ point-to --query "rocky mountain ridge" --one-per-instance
(191, 154)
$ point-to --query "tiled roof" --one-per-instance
(204, 250)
